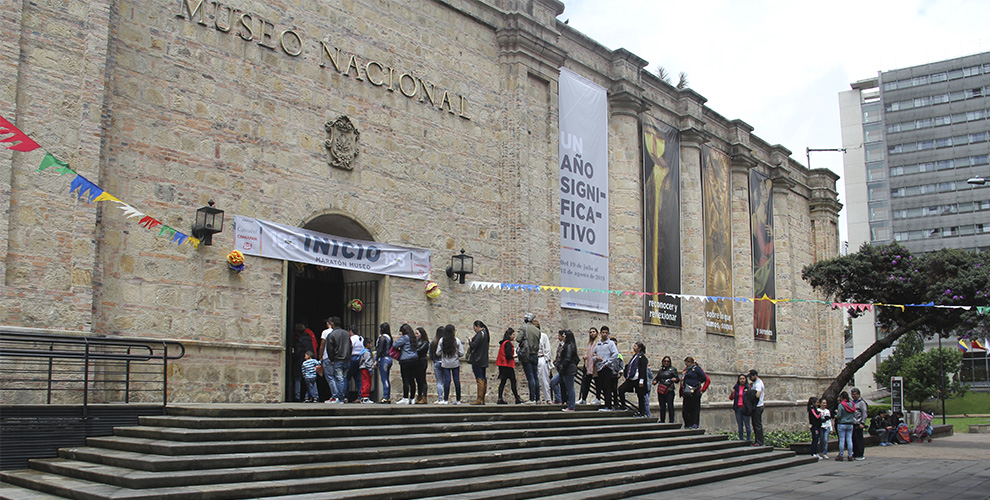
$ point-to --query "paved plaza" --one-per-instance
(955, 467)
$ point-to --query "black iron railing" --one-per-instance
(39, 368)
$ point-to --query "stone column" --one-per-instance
(692, 237)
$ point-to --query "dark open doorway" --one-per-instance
(315, 293)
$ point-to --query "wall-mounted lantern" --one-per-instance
(460, 265)
(209, 221)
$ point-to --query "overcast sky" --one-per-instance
(780, 65)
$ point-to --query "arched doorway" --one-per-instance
(315, 293)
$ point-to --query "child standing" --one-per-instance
(366, 362)
(826, 427)
(309, 374)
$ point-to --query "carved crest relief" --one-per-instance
(342, 142)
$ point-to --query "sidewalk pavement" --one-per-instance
(955, 467)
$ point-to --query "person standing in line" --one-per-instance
(423, 351)
(859, 424)
(616, 367)
(815, 420)
(354, 369)
(435, 361)
(756, 384)
(845, 417)
(478, 357)
(665, 380)
(366, 363)
(636, 377)
(450, 349)
(543, 366)
(567, 368)
(589, 365)
(737, 396)
(337, 346)
(408, 362)
(555, 380)
(694, 382)
(384, 361)
(529, 344)
(309, 374)
(321, 356)
(300, 346)
(605, 355)
(826, 428)
(507, 366)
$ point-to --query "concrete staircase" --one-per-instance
(322, 451)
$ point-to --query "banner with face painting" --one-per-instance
(717, 215)
(764, 280)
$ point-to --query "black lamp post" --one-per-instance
(460, 265)
(209, 221)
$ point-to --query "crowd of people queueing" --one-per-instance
(343, 356)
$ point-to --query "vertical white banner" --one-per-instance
(583, 156)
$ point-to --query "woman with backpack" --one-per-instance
(450, 350)
(694, 382)
(845, 418)
(738, 398)
(384, 361)
(665, 381)
(507, 366)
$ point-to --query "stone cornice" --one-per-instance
(532, 42)
(742, 158)
(693, 137)
(626, 90)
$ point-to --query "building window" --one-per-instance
(939, 77)
(873, 132)
(878, 213)
(871, 113)
(874, 152)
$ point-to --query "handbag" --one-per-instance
(394, 353)
(688, 390)
(662, 389)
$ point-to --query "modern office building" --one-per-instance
(917, 161)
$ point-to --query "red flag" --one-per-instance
(25, 144)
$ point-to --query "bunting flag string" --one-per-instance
(82, 187)
(854, 306)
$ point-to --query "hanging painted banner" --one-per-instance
(717, 217)
(276, 241)
(583, 152)
(764, 273)
(661, 222)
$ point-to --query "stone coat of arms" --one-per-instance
(342, 142)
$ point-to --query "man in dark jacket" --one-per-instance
(529, 346)
(336, 351)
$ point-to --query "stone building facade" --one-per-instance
(171, 103)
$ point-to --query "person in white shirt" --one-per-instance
(756, 384)
(543, 367)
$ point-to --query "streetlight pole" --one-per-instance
(941, 370)
(807, 151)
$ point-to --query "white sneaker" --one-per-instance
(595, 402)
(403, 401)
(457, 402)
(367, 401)
(441, 402)
(581, 402)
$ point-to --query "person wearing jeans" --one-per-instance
(567, 368)
(737, 396)
(384, 363)
(845, 418)
(529, 345)
(449, 351)
(826, 427)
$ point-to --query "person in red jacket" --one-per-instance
(507, 366)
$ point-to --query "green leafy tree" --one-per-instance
(909, 345)
(889, 274)
(922, 374)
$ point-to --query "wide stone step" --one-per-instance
(529, 484)
(341, 430)
(359, 410)
(464, 441)
(162, 463)
(666, 484)
(416, 483)
(11, 492)
(324, 420)
(385, 469)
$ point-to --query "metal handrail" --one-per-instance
(52, 347)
